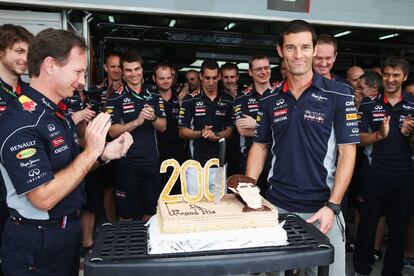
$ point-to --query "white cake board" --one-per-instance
(159, 243)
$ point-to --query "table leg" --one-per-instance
(323, 270)
(289, 272)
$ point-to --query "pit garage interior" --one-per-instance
(186, 40)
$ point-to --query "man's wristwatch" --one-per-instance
(336, 208)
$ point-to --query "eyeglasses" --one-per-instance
(260, 69)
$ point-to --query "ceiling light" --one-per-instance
(274, 65)
(172, 23)
(229, 26)
(111, 18)
(185, 69)
(197, 63)
(388, 36)
(342, 33)
(243, 66)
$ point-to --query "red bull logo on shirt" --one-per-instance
(27, 103)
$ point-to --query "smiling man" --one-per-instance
(41, 164)
(387, 134)
(307, 121)
(139, 110)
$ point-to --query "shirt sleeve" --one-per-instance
(159, 106)
(364, 121)
(263, 124)
(114, 109)
(26, 161)
(229, 115)
(237, 108)
(186, 113)
(346, 120)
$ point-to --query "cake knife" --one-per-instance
(220, 171)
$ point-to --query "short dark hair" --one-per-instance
(296, 26)
(229, 66)
(52, 43)
(372, 78)
(397, 62)
(11, 34)
(256, 57)
(209, 64)
(112, 54)
(327, 39)
(131, 55)
(162, 65)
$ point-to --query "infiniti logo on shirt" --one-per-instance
(279, 102)
(34, 172)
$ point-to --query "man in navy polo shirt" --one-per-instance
(305, 122)
(205, 117)
(387, 134)
(41, 164)
(139, 110)
(246, 106)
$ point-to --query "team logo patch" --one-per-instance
(253, 106)
(127, 106)
(3, 108)
(109, 110)
(352, 116)
(378, 115)
(58, 141)
(198, 110)
(26, 153)
(27, 103)
(280, 112)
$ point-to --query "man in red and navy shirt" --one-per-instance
(305, 122)
(14, 43)
(387, 134)
(139, 110)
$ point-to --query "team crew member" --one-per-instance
(170, 145)
(100, 188)
(113, 82)
(205, 117)
(14, 41)
(305, 123)
(387, 134)
(245, 111)
(192, 83)
(41, 163)
(230, 77)
(137, 109)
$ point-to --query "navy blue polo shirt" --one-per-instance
(98, 96)
(7, 94)
(124, 107)
(392, 155)
(75, 103)
(37, 141)
(247, 103)
(169, 141)
(304, 134)
(198, 111)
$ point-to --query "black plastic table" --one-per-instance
(121, 249)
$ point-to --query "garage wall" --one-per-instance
(368, 13)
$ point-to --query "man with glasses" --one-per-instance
(246, 106)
